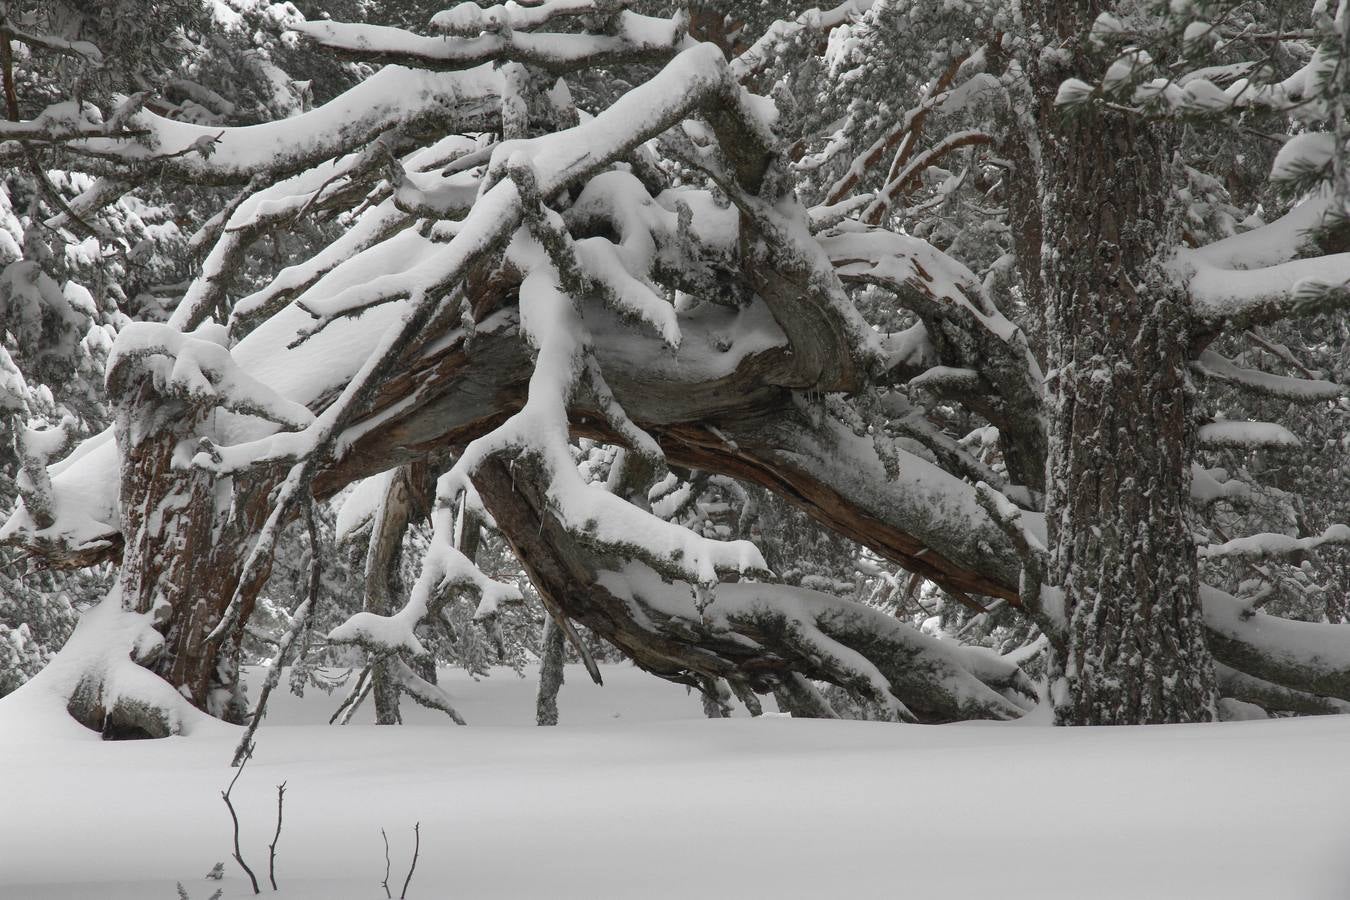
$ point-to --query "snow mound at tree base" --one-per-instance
(636, 796)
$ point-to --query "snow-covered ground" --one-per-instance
(637, 796)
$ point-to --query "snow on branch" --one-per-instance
(190, 367)
(373, 226)
(1247, 436)
(895, 668)
(633, 39)
(1209, 486)
(394, 96)
(65, 122)
(1275, 546)
(83, 50)
(1304, 656)
(1269, 696)
(1241, 298)
(423, 267)
(1298, 390)
(1030, 547)
(444, 571)
(424, 692)
(470, 19)
(37, 448)
(934, 284)
(1270, 244)
(911, 174)
(556, 160)
(538, 435)
(782, 32)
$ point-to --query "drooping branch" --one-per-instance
(741, 633)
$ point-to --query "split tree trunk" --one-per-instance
(1121, 430)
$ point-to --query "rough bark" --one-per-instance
(381, 584)
(552, 646)
(181, 559)
(1121, 434)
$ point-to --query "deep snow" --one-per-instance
(637, 796)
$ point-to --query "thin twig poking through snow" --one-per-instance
(272, 848)
(385, 884)
(225, 795)
(417, 847)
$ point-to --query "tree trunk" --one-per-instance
(552, 652)
(180, 562)
(403, 496)
(1121, 432)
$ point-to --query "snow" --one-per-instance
(1314, 646)
(1224, 293)
(1246, 435)
(633, 33)
(1303, 390)
(184, 364)
(105, 646)
(1263, 546)
(1271, 244)
(635, 795)
(392, 96)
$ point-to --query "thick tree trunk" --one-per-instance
(180, 560)
(1121, 434)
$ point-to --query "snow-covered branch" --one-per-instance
(1299, 390)
(1275, 546)
(1241, 298)
(633, 39)
(194, 368)
(416, 101)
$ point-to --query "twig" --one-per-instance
(299, 624)
(417, 846)
(272, 848)
(225, 795)
(385, 883)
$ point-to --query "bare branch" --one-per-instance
(417, 848)
(225, 795)
(272, 848)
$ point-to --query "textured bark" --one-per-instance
(1121, 435)
(181, 558)
(387, 528)
(552, 645)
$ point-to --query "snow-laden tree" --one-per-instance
(70, 276)
(516, 271)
